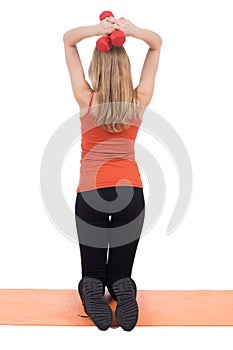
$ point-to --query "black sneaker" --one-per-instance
(127, 306)
(92, 296)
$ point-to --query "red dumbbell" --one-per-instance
(116, 38)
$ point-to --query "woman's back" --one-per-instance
(107, 157)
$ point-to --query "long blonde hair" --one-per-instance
(110, 74)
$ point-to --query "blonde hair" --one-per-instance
(110, 74)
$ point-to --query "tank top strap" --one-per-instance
(89, 107)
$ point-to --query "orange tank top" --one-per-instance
(107, 159)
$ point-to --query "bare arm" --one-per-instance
(145, 87)
(81, 88)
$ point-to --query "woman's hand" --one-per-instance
(127, 27)
(107, 26)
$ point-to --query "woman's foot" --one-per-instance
(92, 296)
(127, 307)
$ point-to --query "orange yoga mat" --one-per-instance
(156, 307)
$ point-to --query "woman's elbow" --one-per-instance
(64, 36)
(160, 41)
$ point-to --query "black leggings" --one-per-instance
(108, 246)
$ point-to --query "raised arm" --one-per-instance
(81, 88)
(145, 87)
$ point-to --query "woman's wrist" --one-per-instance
(73, 36)
(151, 38)
(130, 29)
(135, 32)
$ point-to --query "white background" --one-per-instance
(192, 92)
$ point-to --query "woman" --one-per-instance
(110, 202)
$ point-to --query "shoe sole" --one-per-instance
(127, 306)
(95, 305)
